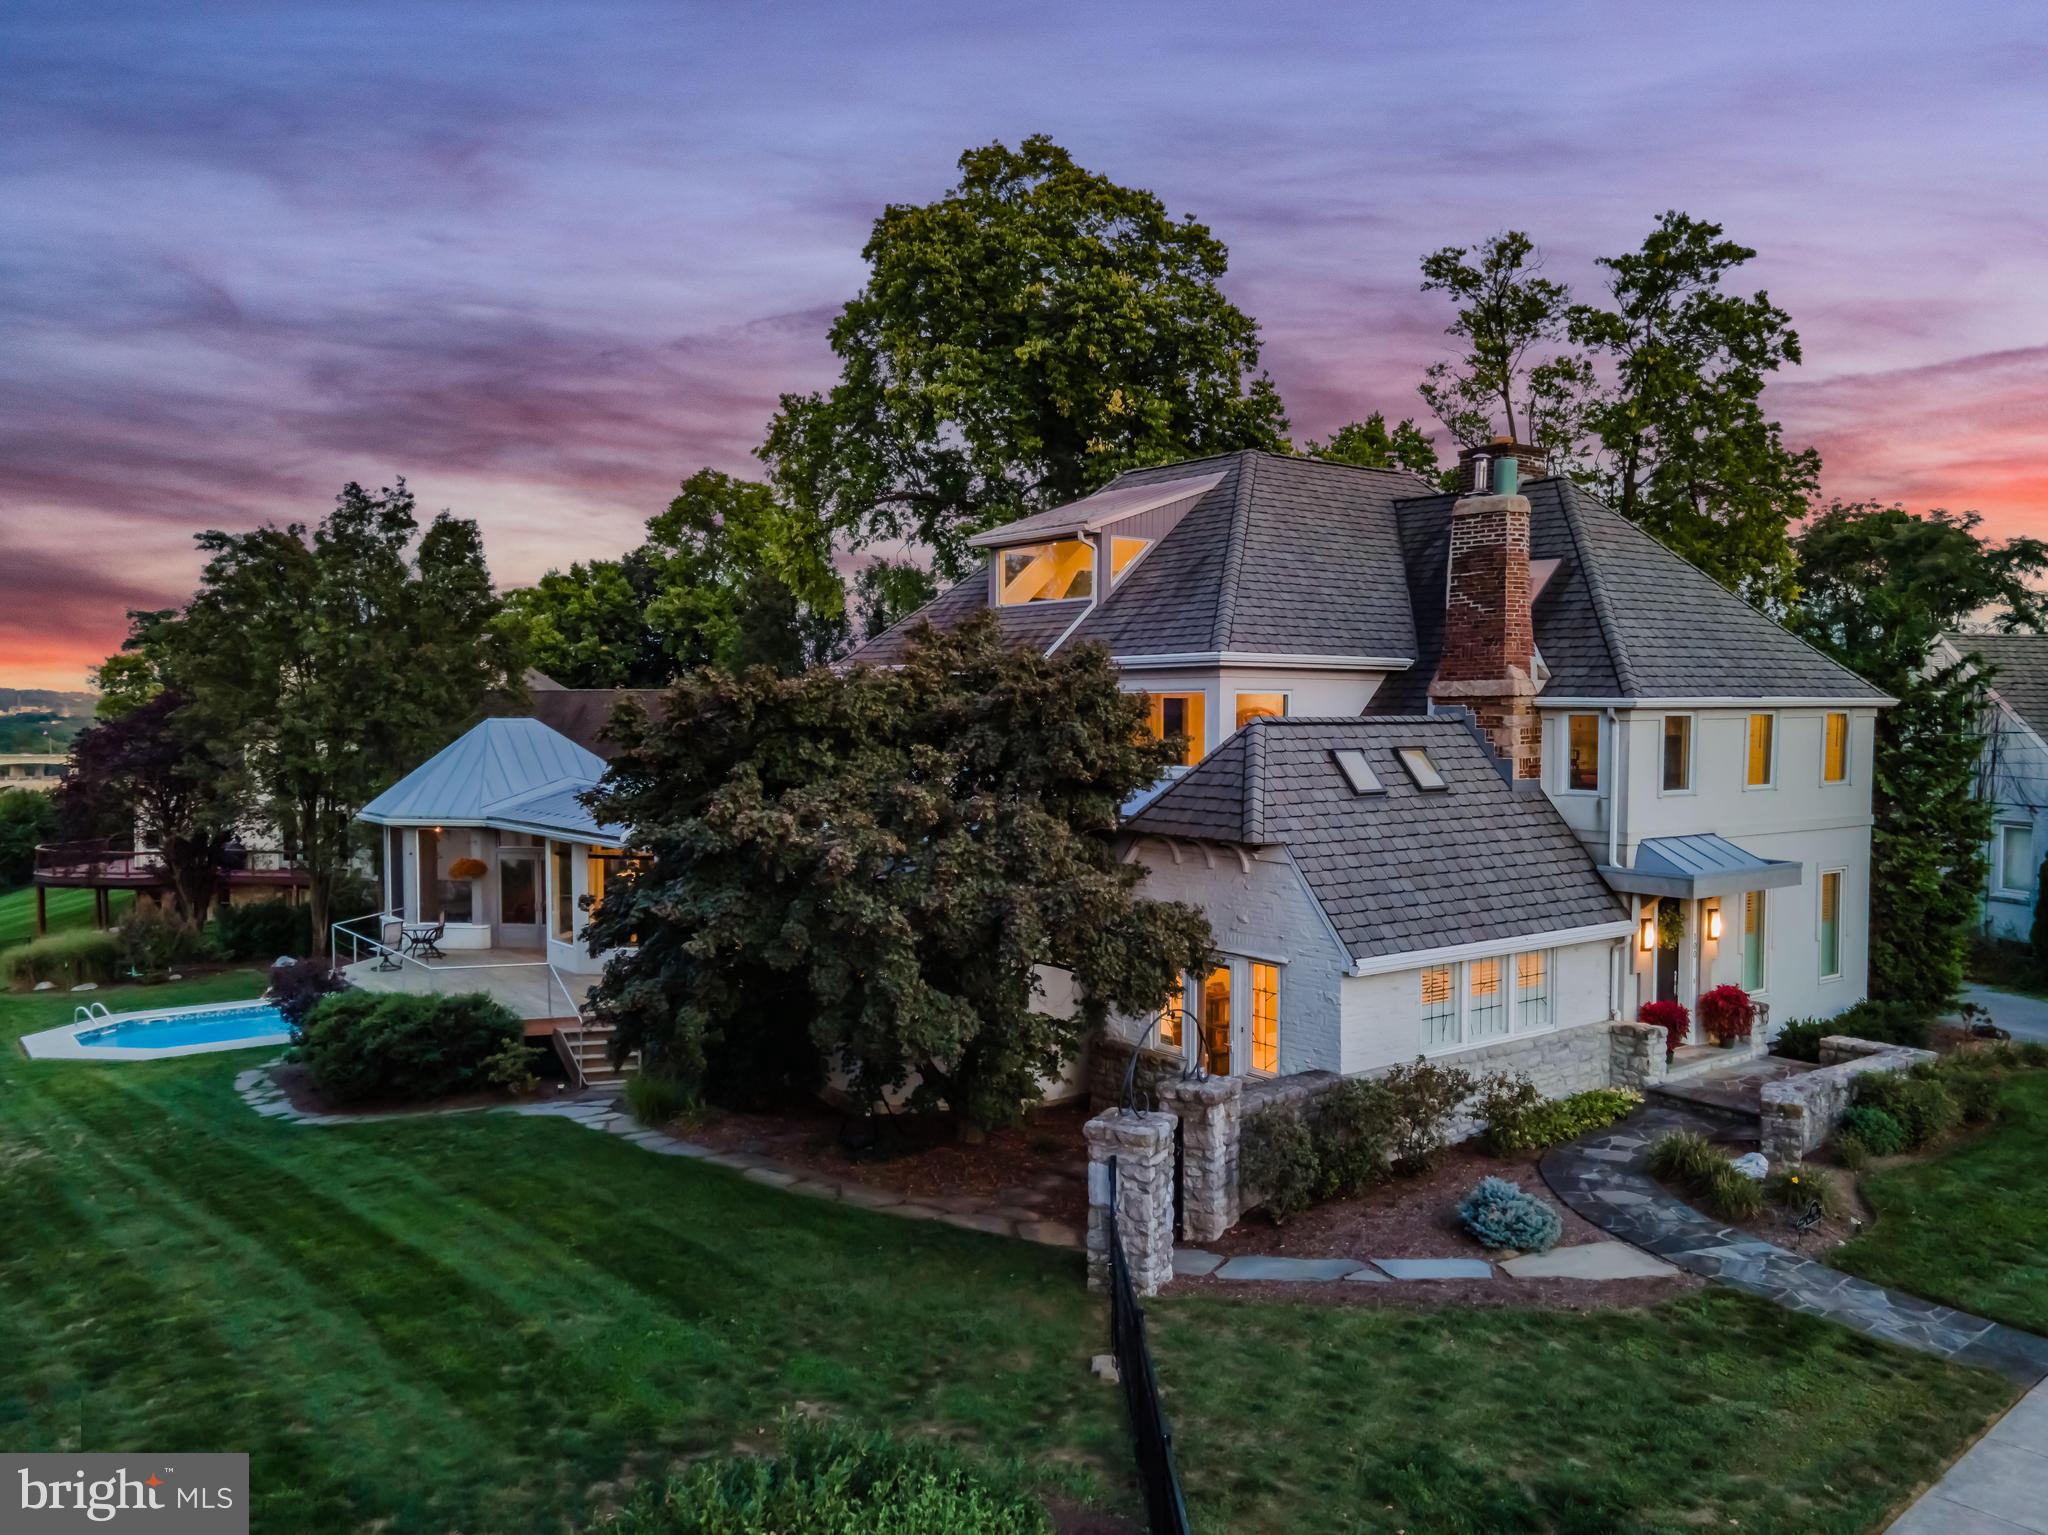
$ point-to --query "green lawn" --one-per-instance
(1969, 1228)
(67, 909)
(487, 1322)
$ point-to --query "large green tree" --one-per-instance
(26, 820)
(328, 660)
(867, 867)
(1372, 444)
(1517, 377)
(1878, 587)
(1022, 339)
(728, 575)
(1686, 449)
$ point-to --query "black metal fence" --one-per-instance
(1166, 1511)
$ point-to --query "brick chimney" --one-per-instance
(1489, 652)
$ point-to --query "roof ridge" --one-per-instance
(1254, 827)
(1596, 591)
(1233, 549)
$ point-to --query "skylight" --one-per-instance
(1358, 772)
(1421, 769)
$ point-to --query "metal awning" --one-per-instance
(1687, 868)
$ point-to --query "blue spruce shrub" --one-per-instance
(1501, 1215)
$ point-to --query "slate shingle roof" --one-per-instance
(2019, 671)
(1295, 556)
(1399, 871)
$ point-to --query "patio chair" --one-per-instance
(424, 942)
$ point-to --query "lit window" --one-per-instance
(1488, 1013)
(1170, 1016)
(1420, 768)
(2016, 871)
(1046, 572)
(1532, 990)
(1260, 706)
(1677, 753)
(1582, 752)
(1831, 923)
(1121, 552)
(1753, 941)
(1762, 750)
(1265, 1017)
(1439, 1008)
(1180, 714)
(1216, 1022)
(1358, 772)
(1835, 750)
(563, 891)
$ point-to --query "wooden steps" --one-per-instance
(585, 1051)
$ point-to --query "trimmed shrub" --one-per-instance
(1684, 1158)
(1793, 1187)
(1504, 1102)
(1277, 1161)
(1499, 1214)
(1974, 1087)
(1556, 1120)
(361, 1046)
(264, 930)
(149, 940)
(1672, 1018)
(510, 1067)
(1730, 1195)
(1726, 1013)
(1886, 1023)
(827, 1481)
(1851, 1153)
(1918, 1099)
(1422, 1099)
(1800, 1039)
(656, 1099)
(65, 959)
(1351, 1134)
(296, 987)
(1872, 1130)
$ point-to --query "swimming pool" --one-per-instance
(152, 1034)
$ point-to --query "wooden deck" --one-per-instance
(519, 978)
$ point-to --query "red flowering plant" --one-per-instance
(1727, 1014)
(1672, 1018)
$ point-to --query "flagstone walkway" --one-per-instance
(1603, 1177)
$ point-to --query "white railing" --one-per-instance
(90, 1012)
(362, 945)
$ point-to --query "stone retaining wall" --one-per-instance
(1801, 1112)
(1141, 1145)
(1107, 1059)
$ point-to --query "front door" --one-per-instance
(519, 898)
(1670, 938)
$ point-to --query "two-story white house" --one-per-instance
(2012, 773)
(1464, 772)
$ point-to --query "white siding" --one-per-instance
(1382, 1014)
(1310, 693)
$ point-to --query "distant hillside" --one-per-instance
(38, 720)
(74, 705)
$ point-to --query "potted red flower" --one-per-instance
(1728, 1015)
(1672, 1018)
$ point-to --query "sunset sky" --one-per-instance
(546, 260)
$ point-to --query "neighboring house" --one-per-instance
(2012, 773)
(1343, 650)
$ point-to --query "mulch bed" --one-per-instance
(1403, 1217)
(298, 1087)
(1423, 1295)
(1040, 1165)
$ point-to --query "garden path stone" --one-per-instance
(1049, 1233)
(994, 1225)
(770, 1176)
(1435, 1268)
(1193, 1263)
(1292, 1270)
(1586, 1176)
(1590, 1260)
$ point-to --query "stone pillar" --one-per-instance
(1142, 1146)
(1209, 1111)
(1637, 1053)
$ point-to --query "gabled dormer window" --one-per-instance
(1051, 572)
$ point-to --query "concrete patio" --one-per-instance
(519, 978)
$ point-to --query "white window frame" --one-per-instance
(1251, 1032)
(1848, 749)
(1820, 915)
(1692, 754)
(1519, 1003)
(1564, 755)
(1457, 1019)
(1503, 1004)
(1763, 943)
(2005, 887)
(1749, 720)
(1285, 695)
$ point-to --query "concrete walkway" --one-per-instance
(1604, 1178)
(2023, 1016)
(2000, 1487)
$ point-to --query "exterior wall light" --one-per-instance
(1647, 934)
(1714, 922)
